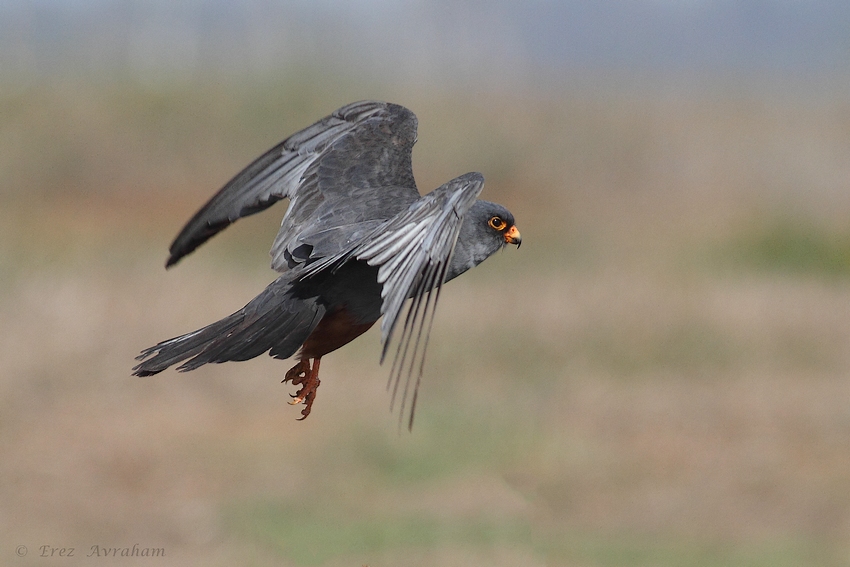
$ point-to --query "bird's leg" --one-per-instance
(302, 374)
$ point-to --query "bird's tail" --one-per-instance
(275, 321)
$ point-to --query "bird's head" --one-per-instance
(487, 228)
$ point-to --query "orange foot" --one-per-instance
(308, 378)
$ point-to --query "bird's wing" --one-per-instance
(412, 251)
(362, 146)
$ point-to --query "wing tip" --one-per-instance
(177, 253)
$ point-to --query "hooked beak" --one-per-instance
(512, 236)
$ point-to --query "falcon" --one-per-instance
(356, 243)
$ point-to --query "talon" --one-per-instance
(297, 373)
(308, 378)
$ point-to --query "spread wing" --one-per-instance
(338, 168)
(412, 251)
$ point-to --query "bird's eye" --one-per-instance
(497, 223)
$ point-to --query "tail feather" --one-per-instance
(157, 358)
(273, 321)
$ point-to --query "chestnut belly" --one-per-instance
(337, 328)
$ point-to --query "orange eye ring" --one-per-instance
(497, 223)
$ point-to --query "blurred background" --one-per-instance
(659, 377)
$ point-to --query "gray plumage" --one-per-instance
(357, 237)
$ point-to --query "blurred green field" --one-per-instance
(659, 377)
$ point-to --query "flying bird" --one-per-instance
(357, 241)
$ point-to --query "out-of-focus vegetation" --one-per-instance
(658, 377)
